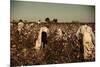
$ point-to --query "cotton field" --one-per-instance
(58, 43)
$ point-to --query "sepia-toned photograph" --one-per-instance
(43, 33)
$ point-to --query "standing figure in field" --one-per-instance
(42, 38)
(39, 21)
(59, 34)
(88, 40)
(20, 26)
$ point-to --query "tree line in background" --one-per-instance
(46, 20)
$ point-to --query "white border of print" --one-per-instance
(5, 33)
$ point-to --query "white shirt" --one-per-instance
(20, 26)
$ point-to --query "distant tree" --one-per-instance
(25, 21)
(20, 20)
(47, 19)
(13, 21)
(55, 20)
(75, 21)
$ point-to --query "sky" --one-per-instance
(34, 11)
